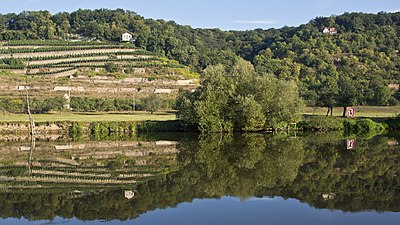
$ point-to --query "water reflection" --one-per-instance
(107, 180)
(243, 165)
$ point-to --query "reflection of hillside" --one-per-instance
(244, 166)
(97, 163)
(363, 179)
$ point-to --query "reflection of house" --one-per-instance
(128, 37)
(394, 87)
(129, 194)
(329, 30)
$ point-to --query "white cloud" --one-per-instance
(394, 11)
(264, 21)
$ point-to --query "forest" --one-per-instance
(358, 65)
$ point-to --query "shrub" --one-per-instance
(105, 128)
(18, 105)
(163, 126)
(365, 125)
(112, 67)
(321, 123)
(13, 62)
(75, 130)
(349, 124)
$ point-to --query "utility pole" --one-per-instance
(32, 131)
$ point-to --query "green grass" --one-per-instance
(361, 111)
(90, 117)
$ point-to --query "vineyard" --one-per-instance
(20, 57)
(99, 164)
(95, 70)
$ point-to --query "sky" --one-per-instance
(223, 14)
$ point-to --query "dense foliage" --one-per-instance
(18, 105)
(151, 103)
(84, 104)
(239, 99)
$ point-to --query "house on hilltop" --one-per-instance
(127, 37)
(329, 30)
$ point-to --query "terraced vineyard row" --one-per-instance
(57, 53)
(122, 166)
(92, 54)
(34, 49)
(88, 60)
(51, 43)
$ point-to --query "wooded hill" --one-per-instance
(357, 65)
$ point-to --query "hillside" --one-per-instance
(87, 70)
(361, 56)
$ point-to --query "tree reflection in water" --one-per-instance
(245, 165)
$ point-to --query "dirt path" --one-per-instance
(63, 74)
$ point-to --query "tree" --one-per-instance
(328, 91)
(280, 100)
(239, 99)
(93, 29)
(347, 94)
(185, 106)
(151, 103)
(112, 67)
(3, 108)
(249, 114)
(381, 92)
(212, 105)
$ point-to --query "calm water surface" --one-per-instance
(213, 179)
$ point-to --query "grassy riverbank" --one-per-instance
(361, 111)
(105, 123)
(90, 117)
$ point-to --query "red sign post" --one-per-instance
(351, 144)
(351, 112)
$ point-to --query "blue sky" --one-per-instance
(223, 14)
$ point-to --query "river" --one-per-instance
(176, 178)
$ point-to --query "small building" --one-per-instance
(129, 194)
(329, 30)
(127, 37)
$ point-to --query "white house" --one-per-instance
(325, 31)
(129, 194)
(126, 37)
(329, 30)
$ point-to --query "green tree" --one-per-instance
(347, 94)
(112, 67)
(151, 103)
(381, 92)
(328, 91)
(238, 98)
